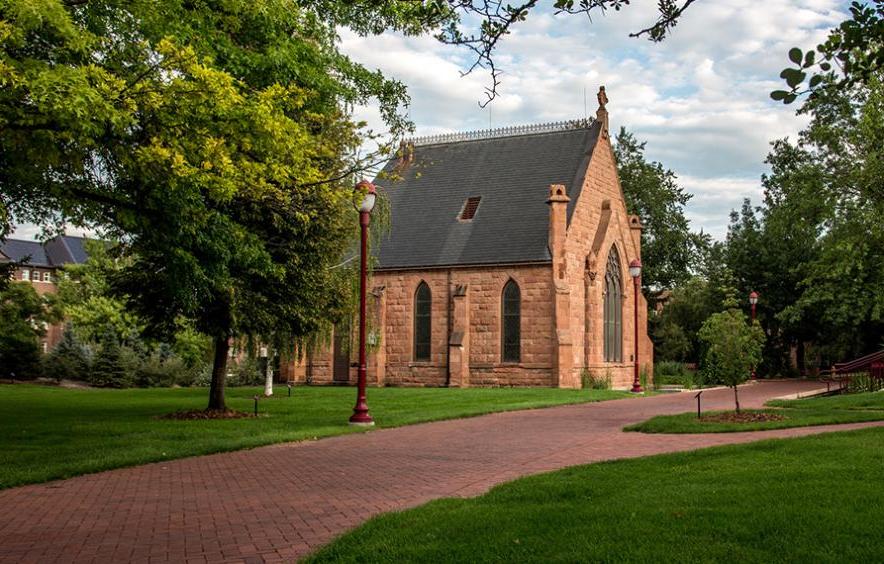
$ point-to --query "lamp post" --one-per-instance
(635, 270)
(364, 207)
(753, 301)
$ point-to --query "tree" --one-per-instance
(815, 251)
(69, 360)
(23, 318)
(733, 349)
(211, 140)
(669, 247)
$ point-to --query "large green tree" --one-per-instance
(210, 138)
(669, 248)
(24, 315)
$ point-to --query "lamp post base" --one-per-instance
(368, 423)
(636, 389)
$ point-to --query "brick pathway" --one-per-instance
(219, 508)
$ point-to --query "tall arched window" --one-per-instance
(613, 309)
(423, 303)
(511, 318)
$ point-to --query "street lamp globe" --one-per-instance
(370, 195)
(635, 268)
(753, 298)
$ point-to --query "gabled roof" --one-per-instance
(58, 251)
(510, 172)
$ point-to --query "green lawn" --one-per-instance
(850, 408)
(814, 499)
(48, 432)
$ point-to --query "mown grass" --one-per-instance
(48, 432)
(814, 499)
(853, 408)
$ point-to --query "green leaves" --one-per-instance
(856, 46)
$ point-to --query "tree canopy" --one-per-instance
(211, 139)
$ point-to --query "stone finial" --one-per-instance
(557, 193)
(602, 113)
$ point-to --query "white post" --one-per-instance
(268, 373)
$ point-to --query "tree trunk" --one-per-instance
(736, 399)
(800, 358)
(268, 377)
(219, 374)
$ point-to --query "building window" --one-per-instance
(47, 276)
(26, 275)
(613, 309)
(423, 302)
(470, 207)
(511, 309)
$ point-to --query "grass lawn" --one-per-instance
(813, 499)
(48, 432)
(851, 408)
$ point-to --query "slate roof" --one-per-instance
(58, 251)
(511, 173)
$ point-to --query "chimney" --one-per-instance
(558, 224)
(602, 113)
(405, 155)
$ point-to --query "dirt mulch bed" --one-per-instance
(743, 417)
(199, 414)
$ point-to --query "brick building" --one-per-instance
(39, 264)
(506, 264)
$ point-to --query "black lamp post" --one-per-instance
(635, 270)
(364, 207)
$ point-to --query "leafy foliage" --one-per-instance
(733, 349)
(669, 247)
(23, 318)
(211, 140)
(855, 49)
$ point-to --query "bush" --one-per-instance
(673, 374)
(246, 372)
(590, 381)
(69, 360)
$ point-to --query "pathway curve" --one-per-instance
(279, 502)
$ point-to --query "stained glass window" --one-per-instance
(423, 302)
(512, 322)
(613, 309)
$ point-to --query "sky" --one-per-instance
(700, 99)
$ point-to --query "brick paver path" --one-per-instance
(279, 502)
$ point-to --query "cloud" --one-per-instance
(700, 98)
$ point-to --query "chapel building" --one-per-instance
(506, 264)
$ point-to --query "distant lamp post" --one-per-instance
(364, 207)
(635, 270)
(753, 301)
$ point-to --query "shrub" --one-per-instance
(69, 360)
(246, 372)
(589, 381)
(673, 373)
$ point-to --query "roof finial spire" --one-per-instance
(602, 113)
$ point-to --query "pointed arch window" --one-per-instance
(613, 309)
(511, 308)
(423, 302)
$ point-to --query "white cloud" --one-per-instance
(700, 98)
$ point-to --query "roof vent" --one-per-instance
(469, 208)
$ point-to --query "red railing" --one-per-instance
(843, 372)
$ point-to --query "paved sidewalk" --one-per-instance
(279, 502)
